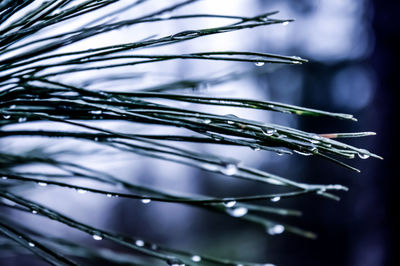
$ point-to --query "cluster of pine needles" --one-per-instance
(33, 89)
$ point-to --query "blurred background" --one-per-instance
(352, 46)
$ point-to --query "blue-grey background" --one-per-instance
(352, 46)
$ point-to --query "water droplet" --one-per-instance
(12, 106)
(97, 237)
(4, 177)
(285, 23)
(274, 181)
(34, 212)
(207, 121)
(363, 155)
(276, 199)
(230, 204)
(316, 137)
(256, 148)
(81, 191)
(21, 119)
(237, 212)
(230, 122)
(196, 258)
(109, 195)
(337, 187)
(229, 169)
(275, 229)
(139, 243)
(217, 137)
(259, 64)
(96, 139)
(6, 116)
(31, 244)
(96, 112)
(305, 153)
(231, 116)
(42, 184)
(146, 201)
(165, 15)
(268, 131)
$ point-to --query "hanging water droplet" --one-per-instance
(42, 184)
(229, 169)
(81, 191)
(268, 131)
(12, 106)
(275, 229)
(31, 244)
(304, 153)
(207, 121)
(97, 237)
(146, 201)
(96, 112)
(4, 177)
(285, 23)
(237, 212)
(109, 195)
(363, 155)
(276, 199)
(230, 122)
(21, 119)
(259, 64)
(34, 212)
(230, 204)
(256, 148)
(6, 116)
(96, 139)
(196, 258)
(139, 243)
(217, 137)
